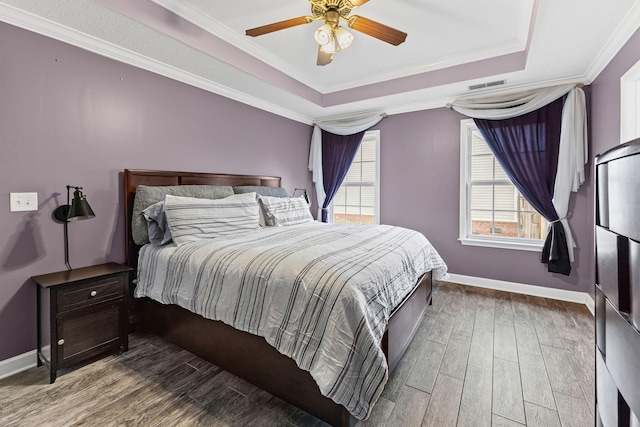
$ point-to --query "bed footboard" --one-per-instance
(405, 321)
(235, 350)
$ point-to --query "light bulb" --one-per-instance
(323, 34)
(343, 37)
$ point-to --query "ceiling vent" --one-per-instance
(485, 85)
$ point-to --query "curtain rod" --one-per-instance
(450, 105)
(383, 114)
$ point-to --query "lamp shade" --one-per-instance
(343, 37)
(329, 47)
(323, 34)
(75, 210)
(80, 208)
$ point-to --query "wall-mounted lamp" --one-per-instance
(77, 210)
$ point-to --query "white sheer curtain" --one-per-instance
(573, 153)
(510, 105)
(347, 126)
(572, 157)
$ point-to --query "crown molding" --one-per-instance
(499, 49)
(427, 66)
(37, 24)
(400, 107)
(208, 23)
(395, 104)
(503, 90)
(48, 28)
(430, 104)
(623, 33)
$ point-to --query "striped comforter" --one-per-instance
(315, 292)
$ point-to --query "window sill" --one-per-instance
(501, 244)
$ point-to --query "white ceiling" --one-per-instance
(450, 45)
(438, 36)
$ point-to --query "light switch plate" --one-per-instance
(24, 202)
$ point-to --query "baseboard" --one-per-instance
(521, 288)
(591, 305)
(17, 364)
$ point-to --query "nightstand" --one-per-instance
(81, 314)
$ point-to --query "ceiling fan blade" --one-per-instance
(277, 26)
(377, 30)
(357, 3)
(324, 58)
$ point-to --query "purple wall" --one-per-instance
(64, 109)
(420, 178)
(68, 116)
(605, 92)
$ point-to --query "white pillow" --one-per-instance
(284, 211)
(192, 219)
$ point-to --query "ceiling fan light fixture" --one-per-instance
(330, 36)
(343, 37)
(323, 34)
(331, 46)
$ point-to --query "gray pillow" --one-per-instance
(261, 190)
(157, 226)
(147, 196)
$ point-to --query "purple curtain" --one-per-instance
(338, 152)
(527, 149)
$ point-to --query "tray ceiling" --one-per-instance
(450, 45)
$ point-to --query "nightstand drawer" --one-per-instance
(87, 293)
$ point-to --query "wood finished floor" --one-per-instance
(479, 358)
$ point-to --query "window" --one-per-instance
(492, 211)
(358, 199)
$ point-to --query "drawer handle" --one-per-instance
(60, 342)
(93, 293)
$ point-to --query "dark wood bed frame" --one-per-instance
(245, 355)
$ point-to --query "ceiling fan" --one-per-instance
(331, 37)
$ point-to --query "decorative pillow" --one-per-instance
(262, 190)
(157, 226)
(148, 195)
(283, 212)
(192, 219)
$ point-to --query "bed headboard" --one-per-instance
(135, 177)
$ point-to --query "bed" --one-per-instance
(245, 354)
